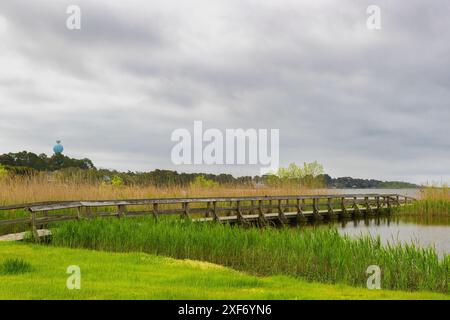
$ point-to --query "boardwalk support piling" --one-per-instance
(281, 215)
(300, 216)
(316, 213)
(331, 214)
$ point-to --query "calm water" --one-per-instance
(405, 192)
(430, 232)
(423, 233)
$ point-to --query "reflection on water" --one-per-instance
(415, 193)
(429, 232)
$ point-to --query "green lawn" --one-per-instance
(143, 276)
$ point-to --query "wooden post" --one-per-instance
(240, 217)
(300, 216)
(122, 211)
(330, 209)
(388, 199)
(185, 213)
(356, 211)
(367, 203)
(261, 217)
(208, 209)
(155, 210)
(316, 213)
(33, 226)
(377, 200)
(281, 215)
(344, 208)
(215, 213)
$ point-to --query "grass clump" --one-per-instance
(427, 207)
(317, 255)
(13, 266)
(433, 202)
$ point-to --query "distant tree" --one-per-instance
(202, 182)
(3, 172)
(42, 162)
(117, 181)
(310, 174)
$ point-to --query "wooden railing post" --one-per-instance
(367, 204)
(356, 209)
(215, 212)
(377, 199)
(185, 213)
(388, 200)
(155, 210)
(122, 211)
(240, 217)
(316, 209)
(208, 209)
(261, 216)
(344, 208)
(330, 208)
(300, 216)
(281, 215)
(33, 226)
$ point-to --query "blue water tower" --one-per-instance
(58, 148)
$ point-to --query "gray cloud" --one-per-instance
(365, 103)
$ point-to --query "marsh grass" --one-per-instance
(313, 254)
(18, 190)
(427, 207)
(433, 201)
(13, 266)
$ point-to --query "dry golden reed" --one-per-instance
(20, 190)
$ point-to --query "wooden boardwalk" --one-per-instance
(219, 209)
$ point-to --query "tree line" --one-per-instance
(66, 169)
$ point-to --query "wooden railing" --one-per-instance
(221, 209)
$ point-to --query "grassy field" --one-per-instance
(143, 276)
(315, 255)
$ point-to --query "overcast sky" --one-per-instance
(364, 103)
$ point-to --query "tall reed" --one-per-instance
(319, 255)
(39, 188)
(433, 201)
